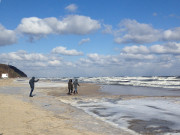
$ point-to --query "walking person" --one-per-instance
(70, 86)
(75, 83)
(31, 83)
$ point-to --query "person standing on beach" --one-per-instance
(70, 86)
(31, 83)
(75, 83)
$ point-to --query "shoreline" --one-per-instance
(52, 97)
(49, 112)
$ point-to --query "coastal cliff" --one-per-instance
(12, 71)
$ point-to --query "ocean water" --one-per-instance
(152, 81)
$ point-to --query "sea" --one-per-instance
(145, 81)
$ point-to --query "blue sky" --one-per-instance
(56, 38)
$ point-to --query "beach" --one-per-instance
(42, 115)
(19, 117)
(96, 109)
(22, 118)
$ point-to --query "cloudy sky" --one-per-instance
(59, 38)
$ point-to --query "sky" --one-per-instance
(73, 38)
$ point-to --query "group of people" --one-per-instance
(71, 85)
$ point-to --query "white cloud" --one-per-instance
(171, 48)
(30, 60)
(137, 57)
(138, 60)
(54, 62)
(23, 55)
(7, 37)
(63, 50)
(133, 32)
(72, 24)
(167, 48)
(84, 41)
(72, 7)
(101, 60)
(172, 34)
(136, 49)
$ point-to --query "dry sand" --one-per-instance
(21, 118)
(7, 82)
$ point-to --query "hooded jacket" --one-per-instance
(32, 81)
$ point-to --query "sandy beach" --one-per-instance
(18, 117)
(22, 118)
(23, 115)
(92, 111)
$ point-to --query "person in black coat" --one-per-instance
(31, 83)
(70, 86)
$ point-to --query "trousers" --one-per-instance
(32, 89)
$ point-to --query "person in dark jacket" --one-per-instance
(31, 83)
(70, 86)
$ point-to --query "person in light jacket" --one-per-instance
(31, 83)
(75, 83)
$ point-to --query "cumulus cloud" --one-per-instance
(172, 48)
(63, 50)
(131, 31)
(71, 7)
(136, 49)
(100, 60)
(72, 24)
(132, 60)
(84, 41)
(23, 55)
(172, 34)
(7, 37)
(137, 57)
(54, 62)
(24, 59)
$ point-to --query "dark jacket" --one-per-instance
(32, 81)
(70, 85)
